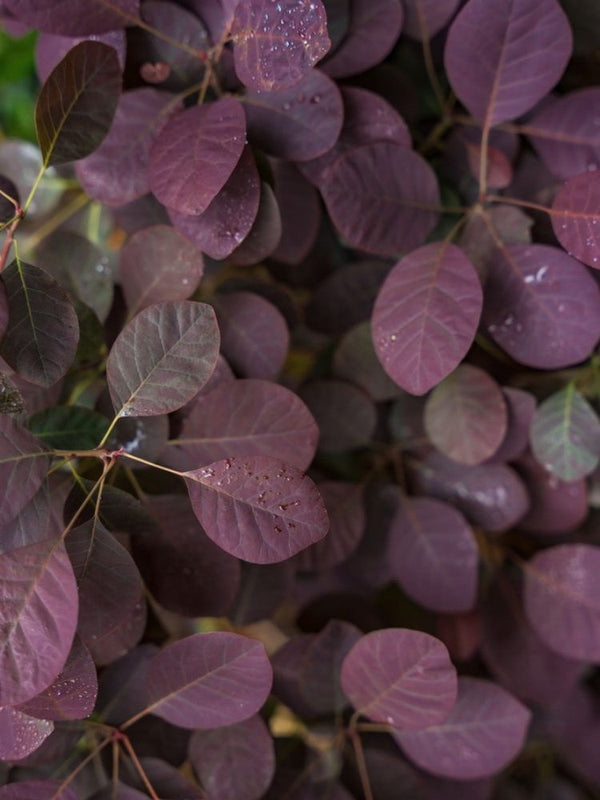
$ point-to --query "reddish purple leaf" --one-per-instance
(246, 418)
(484, 732)
(71, 18)
(194, 154)
(541, 306)
(576, 217)
(50, 49)
(254, 334)
(229, 218)
(21, 735)
(162, 358)
(521, 408)
(247, 745)
(156, 265)
(426, 316)
(424, 18)
(298, 123)
(208, 680)
(433, 555)
(265, 232)
(562, 599)
(118, 171)
(276, 44)
(477, 242)
(37, 618)
(382, 198)
(372, 32)
(521, 49)
(466, 416)
(257, 508)
(300, 210)
(36, 790)
(23, 467)
(346, 416)
(400, 677)
(499, 171)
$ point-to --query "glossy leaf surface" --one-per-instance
(576, 217)
(20, 735)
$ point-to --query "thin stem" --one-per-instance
(359, 753)
(135, 483)
(8, 240)
(10, 199)
(428, 57)
(34, 188)
(109, 430)
(515, 201)
(152, 464)
(86, 500)
(139, 768)
(79, 767)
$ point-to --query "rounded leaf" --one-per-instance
(23, 467)
(265, 232)
(424, 18)
(50, 49)
(70, 18)
(21, 735)
(576, 217)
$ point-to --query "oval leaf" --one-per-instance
(23, 467)
(401, 677)
(162, 358)
(257, 509)
(71, 18)
(20, 735)
(576, 217)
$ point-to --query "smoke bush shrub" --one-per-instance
(299, 441)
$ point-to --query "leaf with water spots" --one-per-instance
(576, 217)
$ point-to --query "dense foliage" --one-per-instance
(299, 392)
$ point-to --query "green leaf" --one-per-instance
(68, 427)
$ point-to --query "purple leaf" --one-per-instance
(257, 508)
(576, 217)
(229, 218)
(195, 153)
(275, 45)
(373, 30)
(265, 232)
(72, 694)
(23, 467)
(382, 198)
(562, 599)
(286, 662)
(156, 265)
(21, 735)
(424, 18)
(541, 306)
(208, 680)
(466, 416)
(121, 692)
(182, 568)
(300, 210)
(262, 590)
(35, 790)
(119, 640)
(37, 618)
(247, 745)
(426, 316)
(117, 172)
(71, 18)
(77, 103)
(35, 522)
(346, 416)
(478, 243)
(499, 171)
(246, 418)
(254, 334)
(42, 334)
(484, 732)
(298, 123)
(574, 731)
(434, 556)
(50, 49)
(521, 49)
(168, 781)
(400, 677)
(162, 358)
(521, 408)
(355, 360)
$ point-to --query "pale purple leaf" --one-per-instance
(345, 414)
(483, 733)
(400, 677)
(247, 745)
(162, 358)
(382, 198)
(521, 408)
(576, 217)
(541, 306)
(50, 49)
(20, 735)
(300, 209)
(424, 18)
(257, 508)
(521, 49)
(265, 232)
(23, 467)
(433, 555)
(466, 416)
(194, 154)
(71, 18)
(208, 680)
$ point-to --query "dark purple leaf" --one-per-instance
(576, 217)
(71, 18)
(38, 618)
(461, 633)
(541, 306)
(247, 745)
(338, 17)
(145, 437)
(424, 18)
(562, 599)
(118, 792)
(138, 214)
(382, 198)
(521, 408)
(118, 171)
(355, 360)
(182, 568)
(257, 508)
(34, 523)
(345, 507)
(286, 663)
(254, 334)
(478, 243)
(400, 677)
(262, 589)
(7, 208)
(23, 467)
(162, 358)
(300, 210)
(246, 418)
(50, 49)
(484, 732)
(372, 32)
(499, 171)
(426, 316)
(298, 123)
(194, 154)
(76, 105)
(346, 416)
(208, 680)
(167, 780)
(229, 218)
(521, 49)
(574, 729)
(265, 232)
(466, 416)
(72, 694)
(565, 132)
(276, 44)
(433, 555)
(122, 638)
(21, 735)
(42, 334)
(121, 692)
(156, 265)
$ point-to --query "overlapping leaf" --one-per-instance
(50, 49)
(20, 735)
(71, 18)
(346, 415)
(345, 507)
(576, 217)
(265, 232)
(23, 466)
(424, 18)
